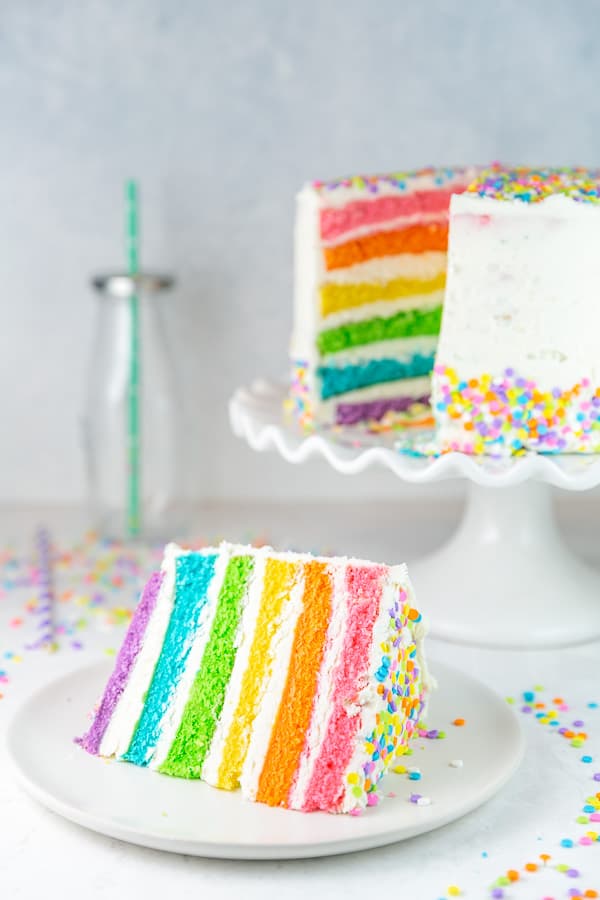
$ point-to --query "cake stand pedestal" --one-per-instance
(505, 578)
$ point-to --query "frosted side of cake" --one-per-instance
(518, 359)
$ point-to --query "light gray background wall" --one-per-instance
(222, 110)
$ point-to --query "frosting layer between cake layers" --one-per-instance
(299, 678)
(517, 365)
(370, 273)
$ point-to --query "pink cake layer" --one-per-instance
(337, 221)
(363, 586)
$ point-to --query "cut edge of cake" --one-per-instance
(369, 277)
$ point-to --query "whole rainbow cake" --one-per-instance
(298, 678)
(370, 272)
(518, 360)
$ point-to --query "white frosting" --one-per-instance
(174, 712)
(323, 703)
(280, 653)
(399, 349)
(386, 268)
(523, 290)
(243, 643)
(128, 710)
(383, 308)
(389, 225)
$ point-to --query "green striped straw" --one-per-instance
(133, 394)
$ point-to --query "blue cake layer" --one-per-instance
(336, 381)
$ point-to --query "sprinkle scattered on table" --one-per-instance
(552, 714)
(97, 583)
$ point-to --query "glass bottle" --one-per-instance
(108, 440)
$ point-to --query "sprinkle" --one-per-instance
(529, 185)
(586, 759)
(414, 776)
(566, 842)
(458, 722)
(454, 891)
(456, 763)
(511, 415)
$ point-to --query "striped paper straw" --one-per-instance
(133, 394)
(45, 609)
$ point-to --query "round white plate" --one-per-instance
(144, 807)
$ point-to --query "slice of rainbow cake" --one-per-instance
(370, 272)
(298, 678)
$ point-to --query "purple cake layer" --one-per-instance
(127, 656)
(374, 410)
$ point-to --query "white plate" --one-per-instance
(143, 807)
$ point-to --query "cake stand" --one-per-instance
(505, 578)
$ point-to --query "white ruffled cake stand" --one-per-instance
(505, 578)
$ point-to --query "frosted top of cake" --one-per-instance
(396, 181)
(531, 185)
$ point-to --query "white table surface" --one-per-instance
(42, 855)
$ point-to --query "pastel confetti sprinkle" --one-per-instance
(401, 181)
(530, 185)
(505, 414)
